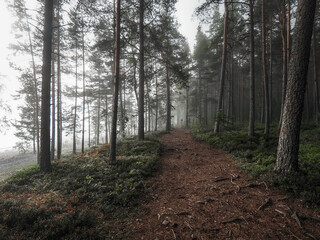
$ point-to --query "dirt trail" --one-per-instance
(199, 193)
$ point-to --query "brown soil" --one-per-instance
(200, 193)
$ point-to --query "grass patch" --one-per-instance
(257, 155)
(84, 197)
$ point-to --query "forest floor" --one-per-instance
(200, 193)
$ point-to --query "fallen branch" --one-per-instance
(182, 213)
(316, 219)
(252, 185)
(235, 219)
(220, 179)
(310, 235)
(265, 204)
(295, 217)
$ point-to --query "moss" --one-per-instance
(75, 199)
(257, 155)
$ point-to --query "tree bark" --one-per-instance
(288, 147)
(168, 124)
(116, 89)
(98, 113)
(252, 80)
(53, 109)
(83, 89)
(315, 75)
(59, 106)
(264, 70)
(270, 73)
(74, 145)
(157, 106)
(187, 107)
(36, 88)
(223, 70)
(284, 58)
(141, 74)
(45, 163)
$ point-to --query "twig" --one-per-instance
(295, 217)
(179, 150)
(188, 225)
(174, 235)
(316, 219)
(245, 220)
(283, 213)
(310, 235)
(294, 235)
(265, 204)
(220, 179)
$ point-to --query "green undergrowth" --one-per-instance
(83, 197)
(257, 155)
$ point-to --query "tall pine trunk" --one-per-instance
(284, 57)
(288, 147)
(113, 139)
(59, 104)
(168, 124)
(83, 89)
(45, 163)
(252, 69)
(187, 107)
(53, 109)
(141, 73)
(270, 72)
(35, 82)
(315, 75)
(223, 69)
(74, 145)
(265, 72)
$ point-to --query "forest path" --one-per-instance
(199, 193)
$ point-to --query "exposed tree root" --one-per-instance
(267, 203)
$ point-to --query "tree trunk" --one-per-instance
(157, 106)
(106, 121)
(89, 124)
(230, 97)
(36, 89)
(315, 75)
(223, 69)
(252, 80)
(116, 89)
(168, 124)
(288, 147)
(141, 73)
(59, 106)
(270, 73)
(284, 58)
(187, 107)
(264, 70)
(83, 89)
(98, 113)
(74, 146)
(53, 110)
(199, 96)
(45, 163)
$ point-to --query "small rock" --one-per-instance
(165, 222)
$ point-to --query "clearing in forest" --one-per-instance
(200, 193)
